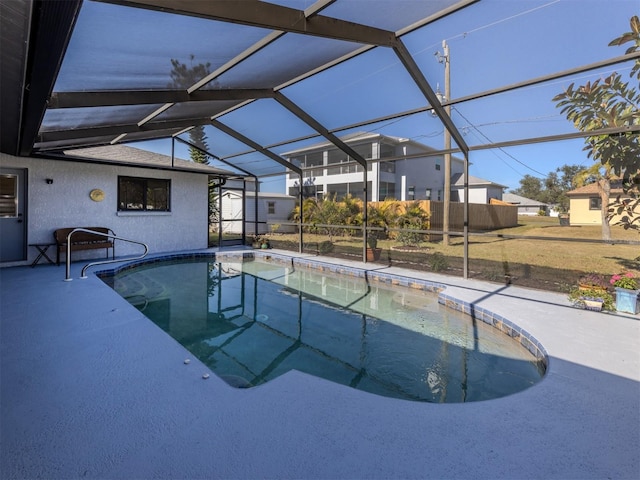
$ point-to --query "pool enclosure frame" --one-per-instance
(40, 33)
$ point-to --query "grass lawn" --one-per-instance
(569, 253)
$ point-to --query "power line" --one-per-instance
(501, 149)
(493, 152)
(488, 25)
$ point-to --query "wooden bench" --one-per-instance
(83, 240)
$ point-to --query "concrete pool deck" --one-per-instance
(90, 388)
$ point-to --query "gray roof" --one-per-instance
(270, 195)
(457, 180)
(132, 156)
(522, 201)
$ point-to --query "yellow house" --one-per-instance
(585, 203)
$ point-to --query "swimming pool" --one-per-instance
(252, 320)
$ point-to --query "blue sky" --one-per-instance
(493, 43)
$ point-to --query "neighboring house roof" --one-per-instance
(350, 138)
(358, 137)
(522, 201)
(592, 189)
(458, 181)
(270, 195)
(131, 156)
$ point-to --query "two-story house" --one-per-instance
(397, 168)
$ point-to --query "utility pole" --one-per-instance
(446, 59)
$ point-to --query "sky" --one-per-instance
(492, 44)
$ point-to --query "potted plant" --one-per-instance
(373, 252)
(626, 285)
(564, 219)
(593, 303)
(592, 298)
(256, 241)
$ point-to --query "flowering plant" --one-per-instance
(593, 280)
(624, 280)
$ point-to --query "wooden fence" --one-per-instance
(482, 217)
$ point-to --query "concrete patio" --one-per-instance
(90, 388)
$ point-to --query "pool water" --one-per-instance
(253, 321)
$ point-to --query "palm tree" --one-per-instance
(331, 214)
(351, 213)
(383, 215)
(310, 206)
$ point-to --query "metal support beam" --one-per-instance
(115, 130)
(244, 206)
(318, 127)
(191, 145)
(365, 215)
(411, 66)
(259, 148)
(256, 191)
(52, 24)
(300, 220)
(271, 16)
(465, 230)
(146, 97)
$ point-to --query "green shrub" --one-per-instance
(325, 247)
(438, 262)
(407, 238)
(414, 218)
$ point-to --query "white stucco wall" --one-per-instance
(422, 174)
(66, 203)
(283, 207)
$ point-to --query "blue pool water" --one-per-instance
(252, 321)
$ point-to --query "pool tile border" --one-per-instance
(492, 319)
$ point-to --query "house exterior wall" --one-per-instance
(581, 214)
(531, 210)
(421, 176)
(480, 194)
(283, 206)
(476, 195)
(66, 203)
